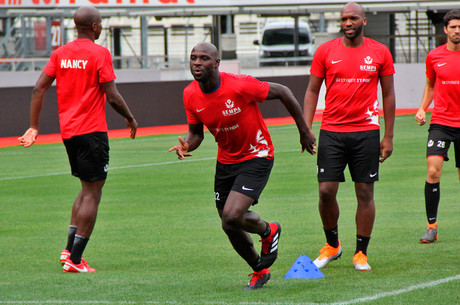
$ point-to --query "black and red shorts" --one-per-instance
(439, 139)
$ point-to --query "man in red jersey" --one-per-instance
(227, 105)
(351, 67)
(84, 80)
(442, 86)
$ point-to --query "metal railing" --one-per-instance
(157, 62)
(22, 64)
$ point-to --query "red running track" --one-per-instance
(171, 129)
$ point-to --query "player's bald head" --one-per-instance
(85, 16)
(207, 48)
(354, 7)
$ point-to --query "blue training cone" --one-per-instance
(303, 268)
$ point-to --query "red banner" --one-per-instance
(40, 35)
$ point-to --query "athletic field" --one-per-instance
(158, 238)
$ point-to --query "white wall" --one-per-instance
(410, 82)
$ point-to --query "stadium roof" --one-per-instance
(303, 9)
(191, 8)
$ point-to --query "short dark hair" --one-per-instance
(453, 14)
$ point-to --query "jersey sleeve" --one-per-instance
(105, 69)
(387, 64)
(191, 117)
(317, 65)
(253, 88)
(430, 73)
(50, 68)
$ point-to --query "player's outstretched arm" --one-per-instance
(36, 104)
(192, 140)
(116, 100)
(284, 94)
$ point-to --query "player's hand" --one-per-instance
(181, 149)
(420, 117)
(386, 149)
(308, 142)
(133, 125)
(29, 137)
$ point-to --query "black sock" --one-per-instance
(71, 237)
(432, 196)
(256, 266)
(267, 231)
(361, 243)
(79, 246)
(332, 237)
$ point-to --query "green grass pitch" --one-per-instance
(158, 239)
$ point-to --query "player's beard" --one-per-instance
(355, 33)
(455, 39)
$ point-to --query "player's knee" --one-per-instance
(365, 196)
(326, 198)
(231, 221)
(433, 175)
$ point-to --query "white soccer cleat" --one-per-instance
(360, 262)
(327, 254)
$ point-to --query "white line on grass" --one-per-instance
(400, 291)
(353, 301)
(127, 166)
(111, 168)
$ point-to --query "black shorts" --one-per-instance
(247, 177)
(88, 156)
(439, 139)
(360, 150)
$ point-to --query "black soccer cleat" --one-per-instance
(270, 245)
(258, 280)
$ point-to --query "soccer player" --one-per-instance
(351, 67)
(84, 80)
(227, 105)
(442, 86)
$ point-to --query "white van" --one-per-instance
(278, 42)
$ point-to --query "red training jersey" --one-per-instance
(442, 68)
(233, 117)
(351, 77)
(80, 67)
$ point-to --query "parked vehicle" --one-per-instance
(278, 42)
